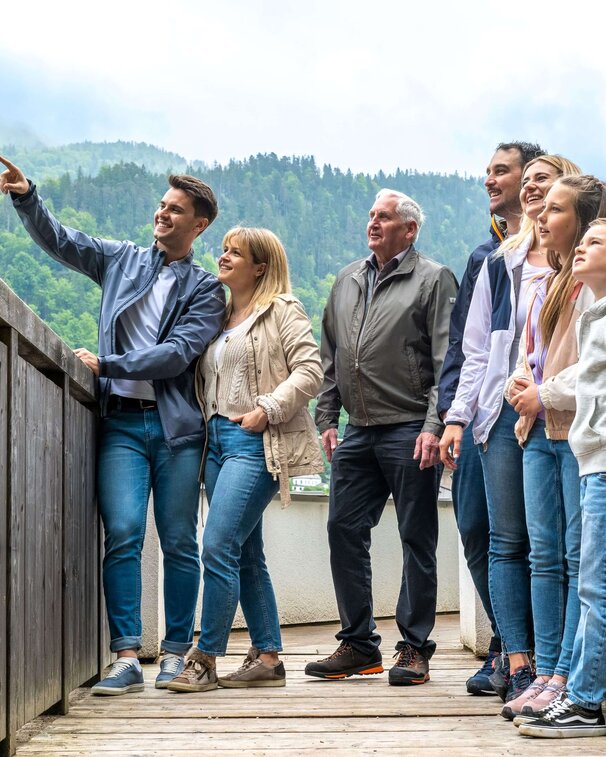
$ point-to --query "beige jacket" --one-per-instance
(557, 392)
(284, 372)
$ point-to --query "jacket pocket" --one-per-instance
(414, 373)
(588, 438)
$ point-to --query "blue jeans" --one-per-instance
(471, 513)
(587, 680)
(508, 567)
(552, 490)
(239, 488)
(371, 462)
(134, 459)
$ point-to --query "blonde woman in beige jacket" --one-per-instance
(253, 383)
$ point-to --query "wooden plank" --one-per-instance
(16, 526)
(81, 572)
(4, 465)
(42, 630)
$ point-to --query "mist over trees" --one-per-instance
(111, 190)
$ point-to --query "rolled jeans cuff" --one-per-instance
(176, 647)
(125, 642)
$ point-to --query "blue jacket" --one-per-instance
(487, 341)
(453, 361)
(192, 315)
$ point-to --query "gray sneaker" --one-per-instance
(254, 673)
(170, 666)
(199, 674)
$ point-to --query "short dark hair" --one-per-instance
(202, 196)
(527, 150)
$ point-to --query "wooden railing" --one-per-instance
(53, 635)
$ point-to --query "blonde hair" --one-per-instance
(589, 202)
(264, 247)
(563, 167)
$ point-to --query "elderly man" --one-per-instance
(384, 336)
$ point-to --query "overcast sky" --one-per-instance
(361, 85)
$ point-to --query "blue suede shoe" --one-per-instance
(170, 666)
(479, 684)
(122, 678)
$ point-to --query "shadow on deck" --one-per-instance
(355, 716)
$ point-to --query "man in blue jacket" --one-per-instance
(503, 179)
(159, 311)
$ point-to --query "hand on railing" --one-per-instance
(12, 180)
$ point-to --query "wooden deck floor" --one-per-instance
(355, 716)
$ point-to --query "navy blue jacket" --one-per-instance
(192, 315)
(453, 361)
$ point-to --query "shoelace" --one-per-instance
(559, 705)
(171, 664)
(487, 667)
(405, 657)
(343, 647)
(118, 668)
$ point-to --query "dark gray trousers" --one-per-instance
(370, 463)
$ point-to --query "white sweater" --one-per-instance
(588, 431)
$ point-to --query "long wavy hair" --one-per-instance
(588, 196)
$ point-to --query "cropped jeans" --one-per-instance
(134, 459)
(238, 488)
(553, 514)
(508, 566)
(587, 681)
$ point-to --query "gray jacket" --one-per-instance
(385, 368)
(192, 315)
(587, 435)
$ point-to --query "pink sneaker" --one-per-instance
(530, 710)
(513, 708)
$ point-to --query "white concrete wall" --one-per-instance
(297, 554)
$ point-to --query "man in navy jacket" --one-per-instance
(159, 311)
(503, 178)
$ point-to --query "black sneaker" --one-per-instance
(499, 678)
(566, 720)
(411, 667)
(479, 684)
(346, 661)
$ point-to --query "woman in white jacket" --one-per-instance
(494, 325)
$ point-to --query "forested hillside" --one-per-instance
(111, 190)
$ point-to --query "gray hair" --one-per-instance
(406, 208)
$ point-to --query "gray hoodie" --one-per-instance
(588, 431)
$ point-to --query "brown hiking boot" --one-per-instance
(199, 674)
(254, 673)
(345, 661)
(411, 667)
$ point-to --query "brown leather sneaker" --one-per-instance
(199, 674)
(345, 661)
(411, 667)
(254, 673)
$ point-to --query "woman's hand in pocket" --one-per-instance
(255, 421)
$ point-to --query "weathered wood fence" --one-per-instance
(52, 629)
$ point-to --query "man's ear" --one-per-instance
(202, 223)
(411, 230)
